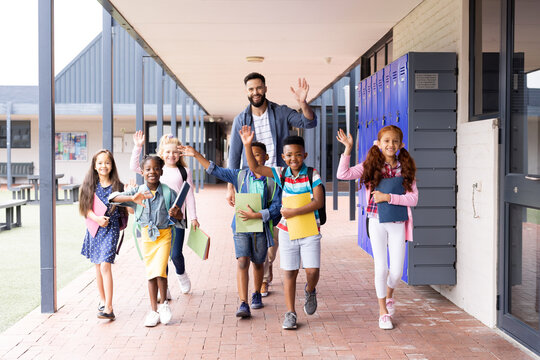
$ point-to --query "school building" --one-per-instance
(471, 74)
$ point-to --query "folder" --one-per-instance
(241, 202)
(199, 242)
(99, 208)
(300, 226)
(388, 212)
(180, 198)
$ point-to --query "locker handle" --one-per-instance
(397, 116)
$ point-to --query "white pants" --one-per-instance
(383, 236)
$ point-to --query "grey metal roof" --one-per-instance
(19, 94)
(80, 81)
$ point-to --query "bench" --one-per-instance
(21, 192)
(18, 169)
(9, 205)
(71, 193)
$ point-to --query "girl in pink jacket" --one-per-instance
(382, 162)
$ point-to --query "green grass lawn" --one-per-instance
(20, 269)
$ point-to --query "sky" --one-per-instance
(77, 22)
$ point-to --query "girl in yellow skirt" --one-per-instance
(155, 221)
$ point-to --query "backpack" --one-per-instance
(183, 172)
(139, 210)
(270, 192)
(322, 211)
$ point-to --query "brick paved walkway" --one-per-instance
(204, 326)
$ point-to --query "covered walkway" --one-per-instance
(428, 326)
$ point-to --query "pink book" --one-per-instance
(99, 208)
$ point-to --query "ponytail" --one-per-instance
(372, 168)
(408, 168)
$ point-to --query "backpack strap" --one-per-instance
(241, 177)
(270, 189)
(283, 176)
(310, 177)
(183, 172)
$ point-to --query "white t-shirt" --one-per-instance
(264, 134)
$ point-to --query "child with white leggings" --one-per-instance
(382, 163)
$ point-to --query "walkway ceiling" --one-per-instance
(205, 42)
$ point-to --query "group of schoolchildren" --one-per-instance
(162, 225)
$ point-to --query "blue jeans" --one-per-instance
(176, 251)
(252, 245)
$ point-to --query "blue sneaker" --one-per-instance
(243, 310)
(256, 300)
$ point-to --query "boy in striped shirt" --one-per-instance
(293, 252)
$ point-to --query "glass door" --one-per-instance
(519, 313)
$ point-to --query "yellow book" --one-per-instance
(300, 226)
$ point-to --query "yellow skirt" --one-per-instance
(156, 253)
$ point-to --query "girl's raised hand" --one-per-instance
(138, 138)
(345, 139)
(246, 135)
(139, 197)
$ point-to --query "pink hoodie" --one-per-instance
(173, 179)
(410, 198)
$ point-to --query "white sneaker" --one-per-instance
(165, 314)
(385, 322)
(390, 306)
(152, 319)
(185, 283)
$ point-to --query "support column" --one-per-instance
(139, 97)
(184, 114)
(191, 142)
(353, 118)
(47, 205)
(197, 147)
(323, 137)
(201, 147)
(335, 104)
(174, 129)
(159, 104)
(107, 81)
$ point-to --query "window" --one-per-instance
(20, 134)
(376, 58)
(485, 40)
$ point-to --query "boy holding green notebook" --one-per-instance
(248, 245)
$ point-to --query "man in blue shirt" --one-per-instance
(271, 123)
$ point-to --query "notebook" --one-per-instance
(300, 226)
(388, 212)
(241, 203)
(181, 197)
(199, 242)
(99, 208)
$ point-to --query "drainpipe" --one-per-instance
(8, 145)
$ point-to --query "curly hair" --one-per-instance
(374, 163)
(166, 140)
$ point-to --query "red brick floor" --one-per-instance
(427, 326)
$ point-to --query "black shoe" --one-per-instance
(104, 315)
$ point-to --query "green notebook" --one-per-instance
(241, 203)
(199, 242)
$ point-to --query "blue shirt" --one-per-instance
(280, 118)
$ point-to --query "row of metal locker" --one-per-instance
(417, 93)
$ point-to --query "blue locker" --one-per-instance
(363, 116)
(380, 102)
(374, 111)
(394, 69)
(387, 95)
(368, 116)
(403, 98)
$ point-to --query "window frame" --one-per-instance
(472, 36)
(3, 123)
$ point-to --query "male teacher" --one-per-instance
(271, 123)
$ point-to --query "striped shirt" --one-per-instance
(295, 185)
(263, 134)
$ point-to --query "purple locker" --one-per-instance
(394, 70)
(374, 111)
(403, 98)
(380, 102)
(387, 95)
(367, 121)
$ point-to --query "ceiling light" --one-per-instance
(328, 60)
(255, 59)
